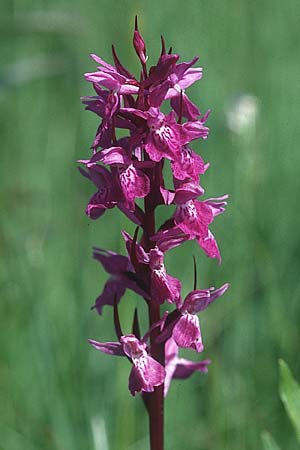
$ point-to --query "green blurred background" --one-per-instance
(55, 391)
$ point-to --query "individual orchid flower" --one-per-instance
(184, 327)
(159, 74)
(194, 129)
(162, 133)
(166, 137)
(174, 236)
(122, 277)
(193, 217)
(109, 77)
(107, 195)
(180, 368)
(133, 182)
(146, 372)
(188, 166)
(163, 140)
(106, 105)
(182, 78)
(163, 286)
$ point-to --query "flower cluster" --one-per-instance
(133, 143)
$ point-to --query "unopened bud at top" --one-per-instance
(139, 43)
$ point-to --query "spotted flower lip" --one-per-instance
(209, 244)
(193, 217)
(134, 184)
(187, 334)
(164, 137)
(189, 165)
(163, 134)
(146, 372)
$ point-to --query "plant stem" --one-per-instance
(155, 399)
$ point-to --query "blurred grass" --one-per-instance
(53, 387)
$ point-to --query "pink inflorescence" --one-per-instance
(124, 169)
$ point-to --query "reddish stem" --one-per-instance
(155, 400)
(180, 108)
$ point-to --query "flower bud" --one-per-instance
(139, 44)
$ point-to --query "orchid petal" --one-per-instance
(193, 217)
(110, 348)
(185, 107)
(188, 165)
(134, 184)
(146, 374)
(158, 94)
(188, 191)
(198, 300)
(112, 293)
(193, 130)
(209, 244)
(187, 334)
(185, 368)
